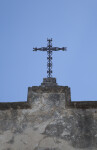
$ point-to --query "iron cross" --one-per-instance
(49, 50)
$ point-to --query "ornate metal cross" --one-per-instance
(49, 50)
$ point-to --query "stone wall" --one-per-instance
(48, 121)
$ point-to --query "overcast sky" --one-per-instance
(25, 24)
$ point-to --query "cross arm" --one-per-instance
(57, 48)
(49, 48)
(40, 49)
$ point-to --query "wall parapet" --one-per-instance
(82, 104)
(14, 105)
(55, 89)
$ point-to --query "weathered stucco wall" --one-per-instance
(48, 121)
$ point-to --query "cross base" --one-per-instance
(49, 82)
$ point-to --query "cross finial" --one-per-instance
(49, 50)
